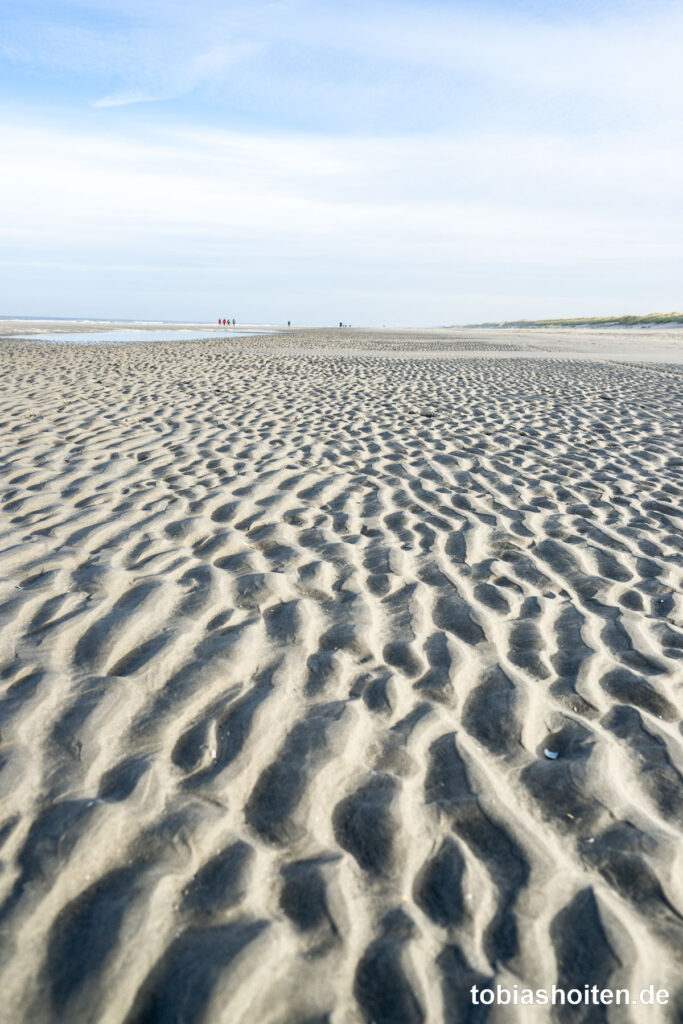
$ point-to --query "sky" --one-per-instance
(368, 162)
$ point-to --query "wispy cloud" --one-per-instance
(431, 161)
(350, 66)
(268, 209)
(194, 71)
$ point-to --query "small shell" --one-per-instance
(552, 754)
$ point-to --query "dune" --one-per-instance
(340, 671)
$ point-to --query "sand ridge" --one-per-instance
(284, 637)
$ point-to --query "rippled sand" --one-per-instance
(287, 636)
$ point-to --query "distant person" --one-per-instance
(341, 324)
(289, 323)
(233, 321)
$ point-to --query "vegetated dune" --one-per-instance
(333, 684)
(630, 320)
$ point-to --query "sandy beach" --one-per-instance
(340, 671)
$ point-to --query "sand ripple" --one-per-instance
(284, 638)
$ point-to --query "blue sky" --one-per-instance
(396, 163)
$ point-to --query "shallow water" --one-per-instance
(127, 337)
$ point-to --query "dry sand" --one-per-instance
(285, 632)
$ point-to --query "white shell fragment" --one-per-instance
(552, 754)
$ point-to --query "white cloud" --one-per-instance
(391, 213)
(182, 76)
(451, 150)
(406, 64)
